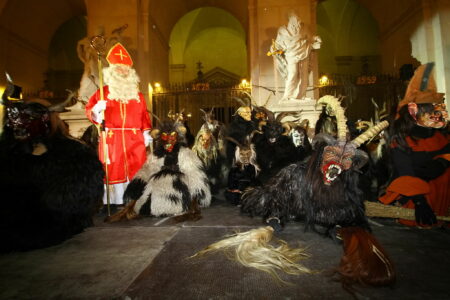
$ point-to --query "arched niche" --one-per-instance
(65, 67)
(209, 35)
(26, 30)
(350, 38)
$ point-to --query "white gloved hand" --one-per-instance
(147, 138)
(317, 42)
(97, 110)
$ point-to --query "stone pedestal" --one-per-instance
(306, 108)
(76, 119)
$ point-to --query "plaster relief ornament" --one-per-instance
(291, 51)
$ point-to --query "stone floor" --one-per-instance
(148, 258)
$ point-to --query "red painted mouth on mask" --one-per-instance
(169, 147)
(331, 171)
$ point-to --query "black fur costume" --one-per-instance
(297, 191)
(274, 149)
(51, 184)
(238, 129)
(239, 179)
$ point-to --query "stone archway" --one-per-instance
(65, 67)
(211, 36)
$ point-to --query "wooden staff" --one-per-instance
(98, 42)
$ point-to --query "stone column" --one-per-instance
(430, 41)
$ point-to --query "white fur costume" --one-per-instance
(161, 192)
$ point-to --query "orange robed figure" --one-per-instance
(126, 120)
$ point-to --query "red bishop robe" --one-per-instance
(125, 123)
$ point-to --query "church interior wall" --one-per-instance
(27, 28)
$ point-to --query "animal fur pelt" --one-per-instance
(207, 149)
(363, 252)
(217, 128)
(243, 173)
(51, 184)
(238, 129)
(169, 180)
(253, 249)
(274, 148)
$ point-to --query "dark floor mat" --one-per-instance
(173, 276)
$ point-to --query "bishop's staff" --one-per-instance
(98, 42)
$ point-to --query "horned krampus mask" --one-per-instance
(27, 120)
(245, 110)
(167, 135)
(340, 154)
(245, 153)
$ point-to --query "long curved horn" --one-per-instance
(156, 117)
(304, 124)
(250, 102)
(270, 114)
(334, 105)
(370, 133)
(9, 90)
(240, 101)
(287, 128)
(60, 106)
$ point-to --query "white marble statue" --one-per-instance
(291, 50)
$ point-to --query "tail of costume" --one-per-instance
(364, 260)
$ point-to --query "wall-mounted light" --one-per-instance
(158, 88)
(323, 81)
(244, 84)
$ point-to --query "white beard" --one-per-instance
(121, 88)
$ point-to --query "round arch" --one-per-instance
(65, 67)
(211, 36)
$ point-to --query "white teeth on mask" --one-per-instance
(333, 166)
(272, 140)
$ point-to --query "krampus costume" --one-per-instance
(240, 127)
(420, 151)
(51, 184)
(170, 180)
(298, 133)
(217, 128)
(324, 191)
(274, 148)
(207, 150)
(243, 173)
